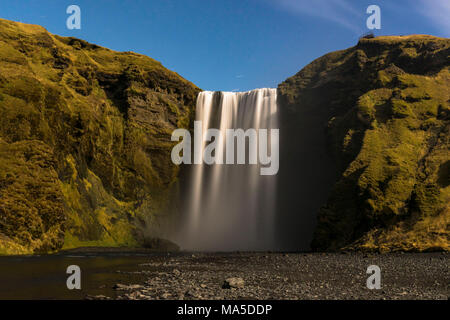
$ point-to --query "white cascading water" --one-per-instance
(231, 207)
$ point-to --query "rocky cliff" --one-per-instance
(383, 110)
(85, 145)
(84, 141)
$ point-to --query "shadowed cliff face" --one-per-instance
(84, 141)
(381, 110)
(306, 176)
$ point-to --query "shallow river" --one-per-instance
(44, 277)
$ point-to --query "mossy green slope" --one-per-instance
(385, 107)
(84, 141)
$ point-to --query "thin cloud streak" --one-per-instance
(438, 11)
(341, 12)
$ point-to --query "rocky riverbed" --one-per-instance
(284, 276)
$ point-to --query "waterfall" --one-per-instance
(231, 206)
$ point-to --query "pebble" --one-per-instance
(233, 282)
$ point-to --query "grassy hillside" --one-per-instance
(384, 107)
(84, 141)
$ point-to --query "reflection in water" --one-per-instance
(44, 277)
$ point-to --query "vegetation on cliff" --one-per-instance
(384, 105)
(84, 141)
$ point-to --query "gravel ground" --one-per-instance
(287, 276)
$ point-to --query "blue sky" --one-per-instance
(231, 44)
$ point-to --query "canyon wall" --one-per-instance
(85, 146)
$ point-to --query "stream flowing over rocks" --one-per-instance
(286, 276)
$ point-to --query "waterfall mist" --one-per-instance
(230, 207)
